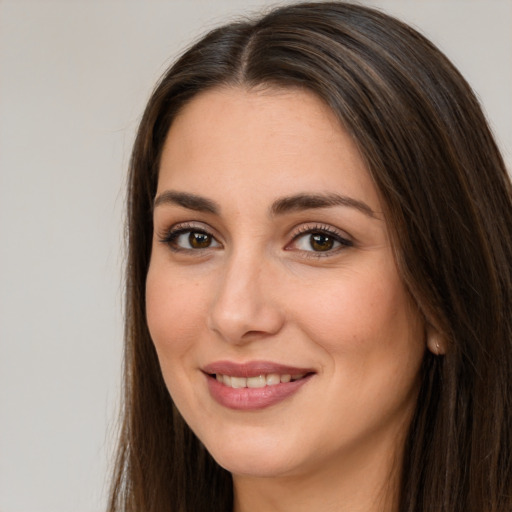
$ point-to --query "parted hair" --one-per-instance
(447, 197)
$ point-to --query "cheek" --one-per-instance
(362, 318)
(373, 343)
(174, 312)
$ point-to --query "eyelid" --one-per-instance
(342, 237)
(170, 234)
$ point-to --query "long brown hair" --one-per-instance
(433, 159)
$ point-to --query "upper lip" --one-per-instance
(253, 369)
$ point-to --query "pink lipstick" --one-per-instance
(254, 385)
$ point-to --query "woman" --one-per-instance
(319, 284)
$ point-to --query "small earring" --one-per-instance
(434, 343)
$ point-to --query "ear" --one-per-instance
(435, 342)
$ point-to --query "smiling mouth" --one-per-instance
(259, 381)
(255, 385)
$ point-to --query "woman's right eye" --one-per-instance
(190, 240)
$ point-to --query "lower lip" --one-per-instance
(247, 399)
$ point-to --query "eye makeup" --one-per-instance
(189, 237)
(321, 238)
(310, 240)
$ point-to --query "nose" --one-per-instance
(245, 306)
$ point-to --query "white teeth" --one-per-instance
(271, 379)
(238, 382)
(257, 382)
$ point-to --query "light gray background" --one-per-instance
(74, 77)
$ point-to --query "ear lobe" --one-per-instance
(435, 342)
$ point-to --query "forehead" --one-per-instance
(274, 140)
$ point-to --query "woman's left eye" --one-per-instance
(320, 241)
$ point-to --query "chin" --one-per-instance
(261, 467)
(258, 459)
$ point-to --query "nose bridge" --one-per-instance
(243, 308)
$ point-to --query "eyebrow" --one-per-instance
(281, 206)
(186, 200)
(312, 201)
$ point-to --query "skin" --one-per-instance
(260, 291)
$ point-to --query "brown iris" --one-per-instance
(198, 240)
(321, 242)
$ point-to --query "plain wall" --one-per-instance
(74, 77)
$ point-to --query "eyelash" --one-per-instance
(322, 229)
(171, 236)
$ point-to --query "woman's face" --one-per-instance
(284, 333)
